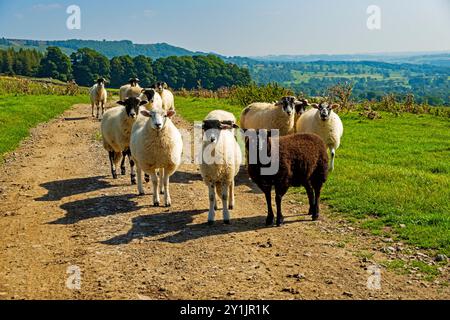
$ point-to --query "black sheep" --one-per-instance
(303, 161)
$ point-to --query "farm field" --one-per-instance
(67, 211)
(19, 114)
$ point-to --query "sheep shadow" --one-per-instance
(185, 177)
(180, 228)
(96, 207)
(58, 190)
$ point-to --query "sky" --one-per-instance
(240, 27)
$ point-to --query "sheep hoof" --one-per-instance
(123, 171)
(133, 182)
(141, 194)
(269, 222)
(147, 179)
(216, 208)
(227, 222)
(161, 192)
(156, 204)
(231, 207)
(114, 176)
(211, 223)
(315, 217)
(168, 205)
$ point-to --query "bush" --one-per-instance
(244, 96)
(25, 86)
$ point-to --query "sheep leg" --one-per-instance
(98, 109)
(212, 204)
(139, 181)
(270, 215)
(166, 191)
(156, 199)
(103, 108)
(132, 168)
(279, 194)
(311, 198)
(123, 170)
(161, 175)
(333, 155)
(226, 213)
(231, 193)
(112, 159)
(93, 105)
(317, 190)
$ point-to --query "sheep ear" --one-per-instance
(171, 113)
(145, 113)
(235, 126)
(334, 106)
(122, 103)
(143, 102)
(315, 105)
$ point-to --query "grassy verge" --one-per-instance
(392, 174)
(18, 114)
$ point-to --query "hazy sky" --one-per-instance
(240, 27)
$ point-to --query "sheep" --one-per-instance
(167, 96)
(303, 161)
(132, 83)
(221, 161)
(300, 109)
(269, 116)
(156, 144)
(116, 130)
(323, 121)
(98, 96)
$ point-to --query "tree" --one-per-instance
(144, 70)
(89, 65)
(122, 69)
(55, 64)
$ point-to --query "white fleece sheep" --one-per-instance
(156, 144)
(324, 122)
(280, 115)
(98, 96)
(221, 161)
(116, 132)
(132, 83)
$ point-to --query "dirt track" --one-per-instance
(60, 208)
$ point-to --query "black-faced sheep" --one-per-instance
(116, 131)
(324, 122)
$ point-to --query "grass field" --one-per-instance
(18, 114)
(392, 175)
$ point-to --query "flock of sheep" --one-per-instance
(140, 129)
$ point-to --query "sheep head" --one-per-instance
(325, 109)
(132, 106)
(158, 117)
(287, 104)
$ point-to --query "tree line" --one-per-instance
(85, 66)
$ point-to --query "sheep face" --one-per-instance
(160, 86)
(288, 105)
(324, 110)
(212, 129)
(150, 94)
(158, 117)
(132, 106)
(300, 106)
(101, 82)
(133, 82)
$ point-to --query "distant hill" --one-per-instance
(433, 58)
(108, 48)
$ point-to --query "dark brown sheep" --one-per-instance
(303, 161)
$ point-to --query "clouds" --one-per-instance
(42, 7)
